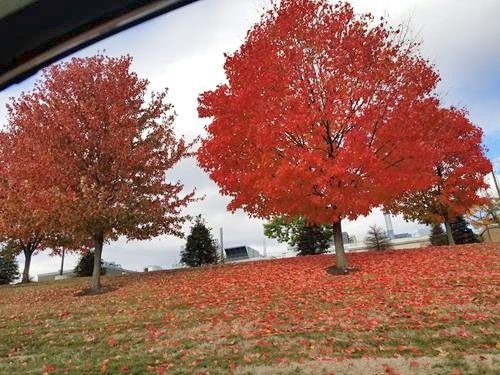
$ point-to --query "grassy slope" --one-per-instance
(433, 310)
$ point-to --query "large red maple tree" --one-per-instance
(319, 116)
(105, 150)
(461, 169)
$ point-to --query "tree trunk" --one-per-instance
(341, 260)
(221, 246)
(27, 262)
(95, 284)
(62, 263)
(451, 240)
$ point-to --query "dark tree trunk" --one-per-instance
(27, 262)
(95, 284)
(449, 233)
(341, 260)
(62, 263)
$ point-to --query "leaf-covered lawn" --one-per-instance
(433, 310)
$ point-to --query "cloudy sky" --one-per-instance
(183, 50)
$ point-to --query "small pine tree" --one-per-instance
(377, 239)
(200, 248)
(9, 270)
(438, 236)
(312, 240)
(461, 232)
(85, 266)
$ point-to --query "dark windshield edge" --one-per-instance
(67, 30)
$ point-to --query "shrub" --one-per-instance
(461, 232)
(376, 239)
(312, 240)
(200, 248)
(438, 236)
(85, 265)
(9, 270)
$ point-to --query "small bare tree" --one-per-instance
(377, 239)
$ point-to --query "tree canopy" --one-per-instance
(460, 172)
(306, 238)
(319, 117)
(29, 213)
(104, 149)
(287, 230)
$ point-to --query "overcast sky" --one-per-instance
(183, 50)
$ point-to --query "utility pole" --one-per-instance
(264, 247)
(221, 246)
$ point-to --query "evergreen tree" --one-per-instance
(461, 232)
(438, 236)
(377, 239)
(200, 248)
(312, 240)
(9, 270)
(85, 265)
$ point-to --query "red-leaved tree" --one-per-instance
(318, 117)
(460, 170)
(20, 223)
(29, 218)
(105, 149)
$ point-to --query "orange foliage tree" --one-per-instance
(17, 222)
(105, 150)
(319, 116)
(29, 219)
(460, 171)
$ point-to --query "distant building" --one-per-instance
(397, 243)
(388, 226)
(402, 235)
(112, 269)
(347, 238)
(422, 232)
(152, 268)
(50, 276)
(240, 253)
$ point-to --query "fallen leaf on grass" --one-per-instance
(49, 368)
(112, 342)
(389, 370)
(104, 366)
(442, 352)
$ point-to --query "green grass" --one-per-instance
(196, 322)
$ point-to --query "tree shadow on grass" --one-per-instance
(332, 270)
